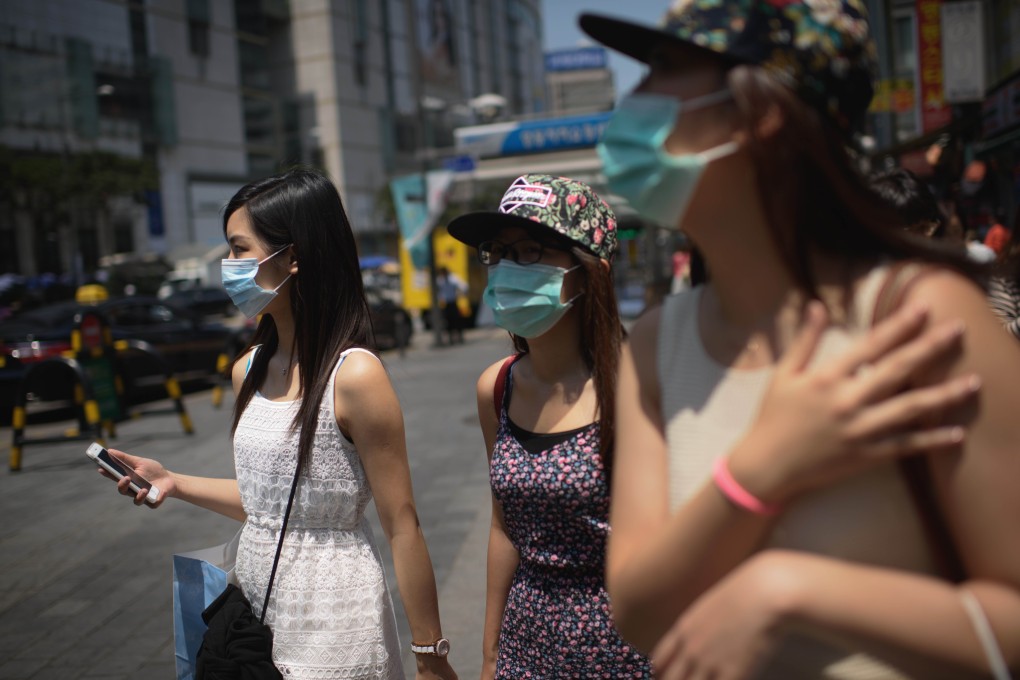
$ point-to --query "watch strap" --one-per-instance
(431, 648)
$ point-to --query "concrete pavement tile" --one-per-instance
(54, 553)
(21, 669)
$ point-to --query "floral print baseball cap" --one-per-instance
(558, 207)
(819, 48)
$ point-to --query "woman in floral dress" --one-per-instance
(547, 418)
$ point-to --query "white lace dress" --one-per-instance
(329, 610)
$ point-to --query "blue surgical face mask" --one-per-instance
(239, 281)
(657, 184)
(525, 299)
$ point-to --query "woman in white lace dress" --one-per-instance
(307, 388)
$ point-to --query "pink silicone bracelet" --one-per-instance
(737, 494)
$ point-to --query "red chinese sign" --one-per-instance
(934, 111)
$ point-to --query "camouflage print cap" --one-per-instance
(819, 48)
(561, 207)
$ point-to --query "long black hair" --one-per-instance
(302, 208)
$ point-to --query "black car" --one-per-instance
(390, 321)
(206, 301)
(189, 344)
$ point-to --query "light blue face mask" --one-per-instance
(239, 281)
(657, 184)
(525, 299)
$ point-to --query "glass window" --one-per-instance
(904, 52)
(198, 38)
(161, 314)
(259, 122)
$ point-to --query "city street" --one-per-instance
(86, 589)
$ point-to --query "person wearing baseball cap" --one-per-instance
(546, 415)
(763, 523)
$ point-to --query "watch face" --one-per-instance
(443, 647)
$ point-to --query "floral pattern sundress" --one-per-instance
(557, 622)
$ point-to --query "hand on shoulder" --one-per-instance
(820, 423)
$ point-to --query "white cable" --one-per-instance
(986, 635)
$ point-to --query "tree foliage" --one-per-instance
(47, 185)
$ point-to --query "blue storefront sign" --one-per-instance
(532, 136)
(459, 163)
(154, 210)
(579, 59)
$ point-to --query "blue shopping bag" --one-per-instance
(199, 578)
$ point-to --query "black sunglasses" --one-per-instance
(524, 252)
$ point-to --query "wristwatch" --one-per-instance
(440, 647)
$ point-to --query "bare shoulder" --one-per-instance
(945, 291)
(646, 329)
(240, 369)
(360, 372)
(949, 295)
(363, 395)
(487, 417)
(643, 341)
(988, 349)
(487, 381)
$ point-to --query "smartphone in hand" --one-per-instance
(103, 459)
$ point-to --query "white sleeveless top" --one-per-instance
(869, 518)
(330, 610)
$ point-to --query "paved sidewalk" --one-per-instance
(86, 588)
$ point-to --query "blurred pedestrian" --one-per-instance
(91, 293)
(750, 538)
(311, 397)
(998, 236)
(977, 250)
(451, 289)
(912, 200)
(1004, 287)
(681, 269)
(547, 417)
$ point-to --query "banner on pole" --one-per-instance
(935, 113)
(418, 206)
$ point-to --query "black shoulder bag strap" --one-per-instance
(279, 545)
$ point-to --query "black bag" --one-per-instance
(238, 646)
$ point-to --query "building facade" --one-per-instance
(579, 80)
(180, 102)
(948, 100)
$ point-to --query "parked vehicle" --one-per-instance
(391, 322)
(205, 301)
(189, 344)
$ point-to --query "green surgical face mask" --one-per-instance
(525, 299)
(657, 184)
